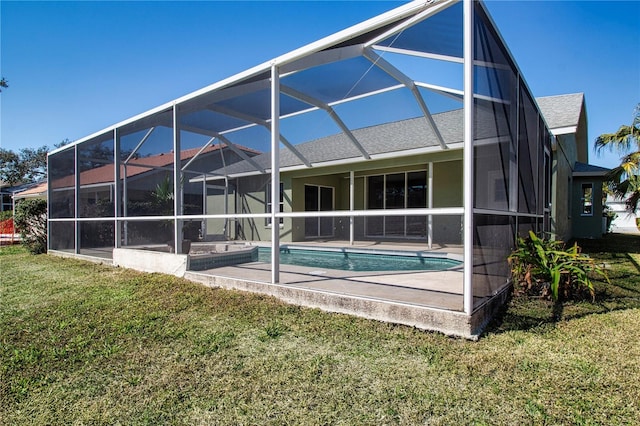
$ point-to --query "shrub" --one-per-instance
(544, 267)
(7, 214)
(31, 221)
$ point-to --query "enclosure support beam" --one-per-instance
(293, 93)
(49, 198)
(263, 123)
(468, 155)
(430, 205)
(398, 75)
(77, 200)
(125, 202)
(275, 175)
(514, 166)
(117, 189)
(352, 204)
(142, 141)
(227, 142)
(195, 157)
(177, 183)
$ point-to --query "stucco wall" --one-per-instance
(564, 157)
(249, 197)
(447, 192)
(584, 225)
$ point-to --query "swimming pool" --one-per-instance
(357, 261)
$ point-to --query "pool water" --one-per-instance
(358, 262)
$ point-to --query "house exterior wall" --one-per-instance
(581, 139)
(250, 197)
(564, 157)
(587, 225)
(447, 192)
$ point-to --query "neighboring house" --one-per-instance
(624, 221)
(6, 202)
(412, 133)
(16, 193)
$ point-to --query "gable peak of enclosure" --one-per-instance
(409, 139)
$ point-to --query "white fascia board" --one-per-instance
(569, 130)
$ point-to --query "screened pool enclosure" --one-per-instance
(413, 133)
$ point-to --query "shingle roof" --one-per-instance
(582, 169)
(397, 136)
(562, 110)
(384, 138)
(38, 190)
(559, 111)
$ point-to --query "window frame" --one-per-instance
(319, 219)
(268, 204)
(584, 199)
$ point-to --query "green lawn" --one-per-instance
(88, 344)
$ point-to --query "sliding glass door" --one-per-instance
(318, 199)
(397, 191)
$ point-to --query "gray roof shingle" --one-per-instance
(562, 110)
(589, 169)
(413, 133)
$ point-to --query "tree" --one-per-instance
(28, 165)
(3, 83)
(624, 180)
(31, 220)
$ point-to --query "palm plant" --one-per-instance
(545, 267)
(624, 180)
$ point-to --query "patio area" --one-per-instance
(437, 289)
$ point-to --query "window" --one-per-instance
(268, 206)
(586, 200)
(318, 198)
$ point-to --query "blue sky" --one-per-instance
(75, 68)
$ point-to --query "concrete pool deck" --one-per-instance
(439, 289)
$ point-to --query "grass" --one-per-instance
(82, 343)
